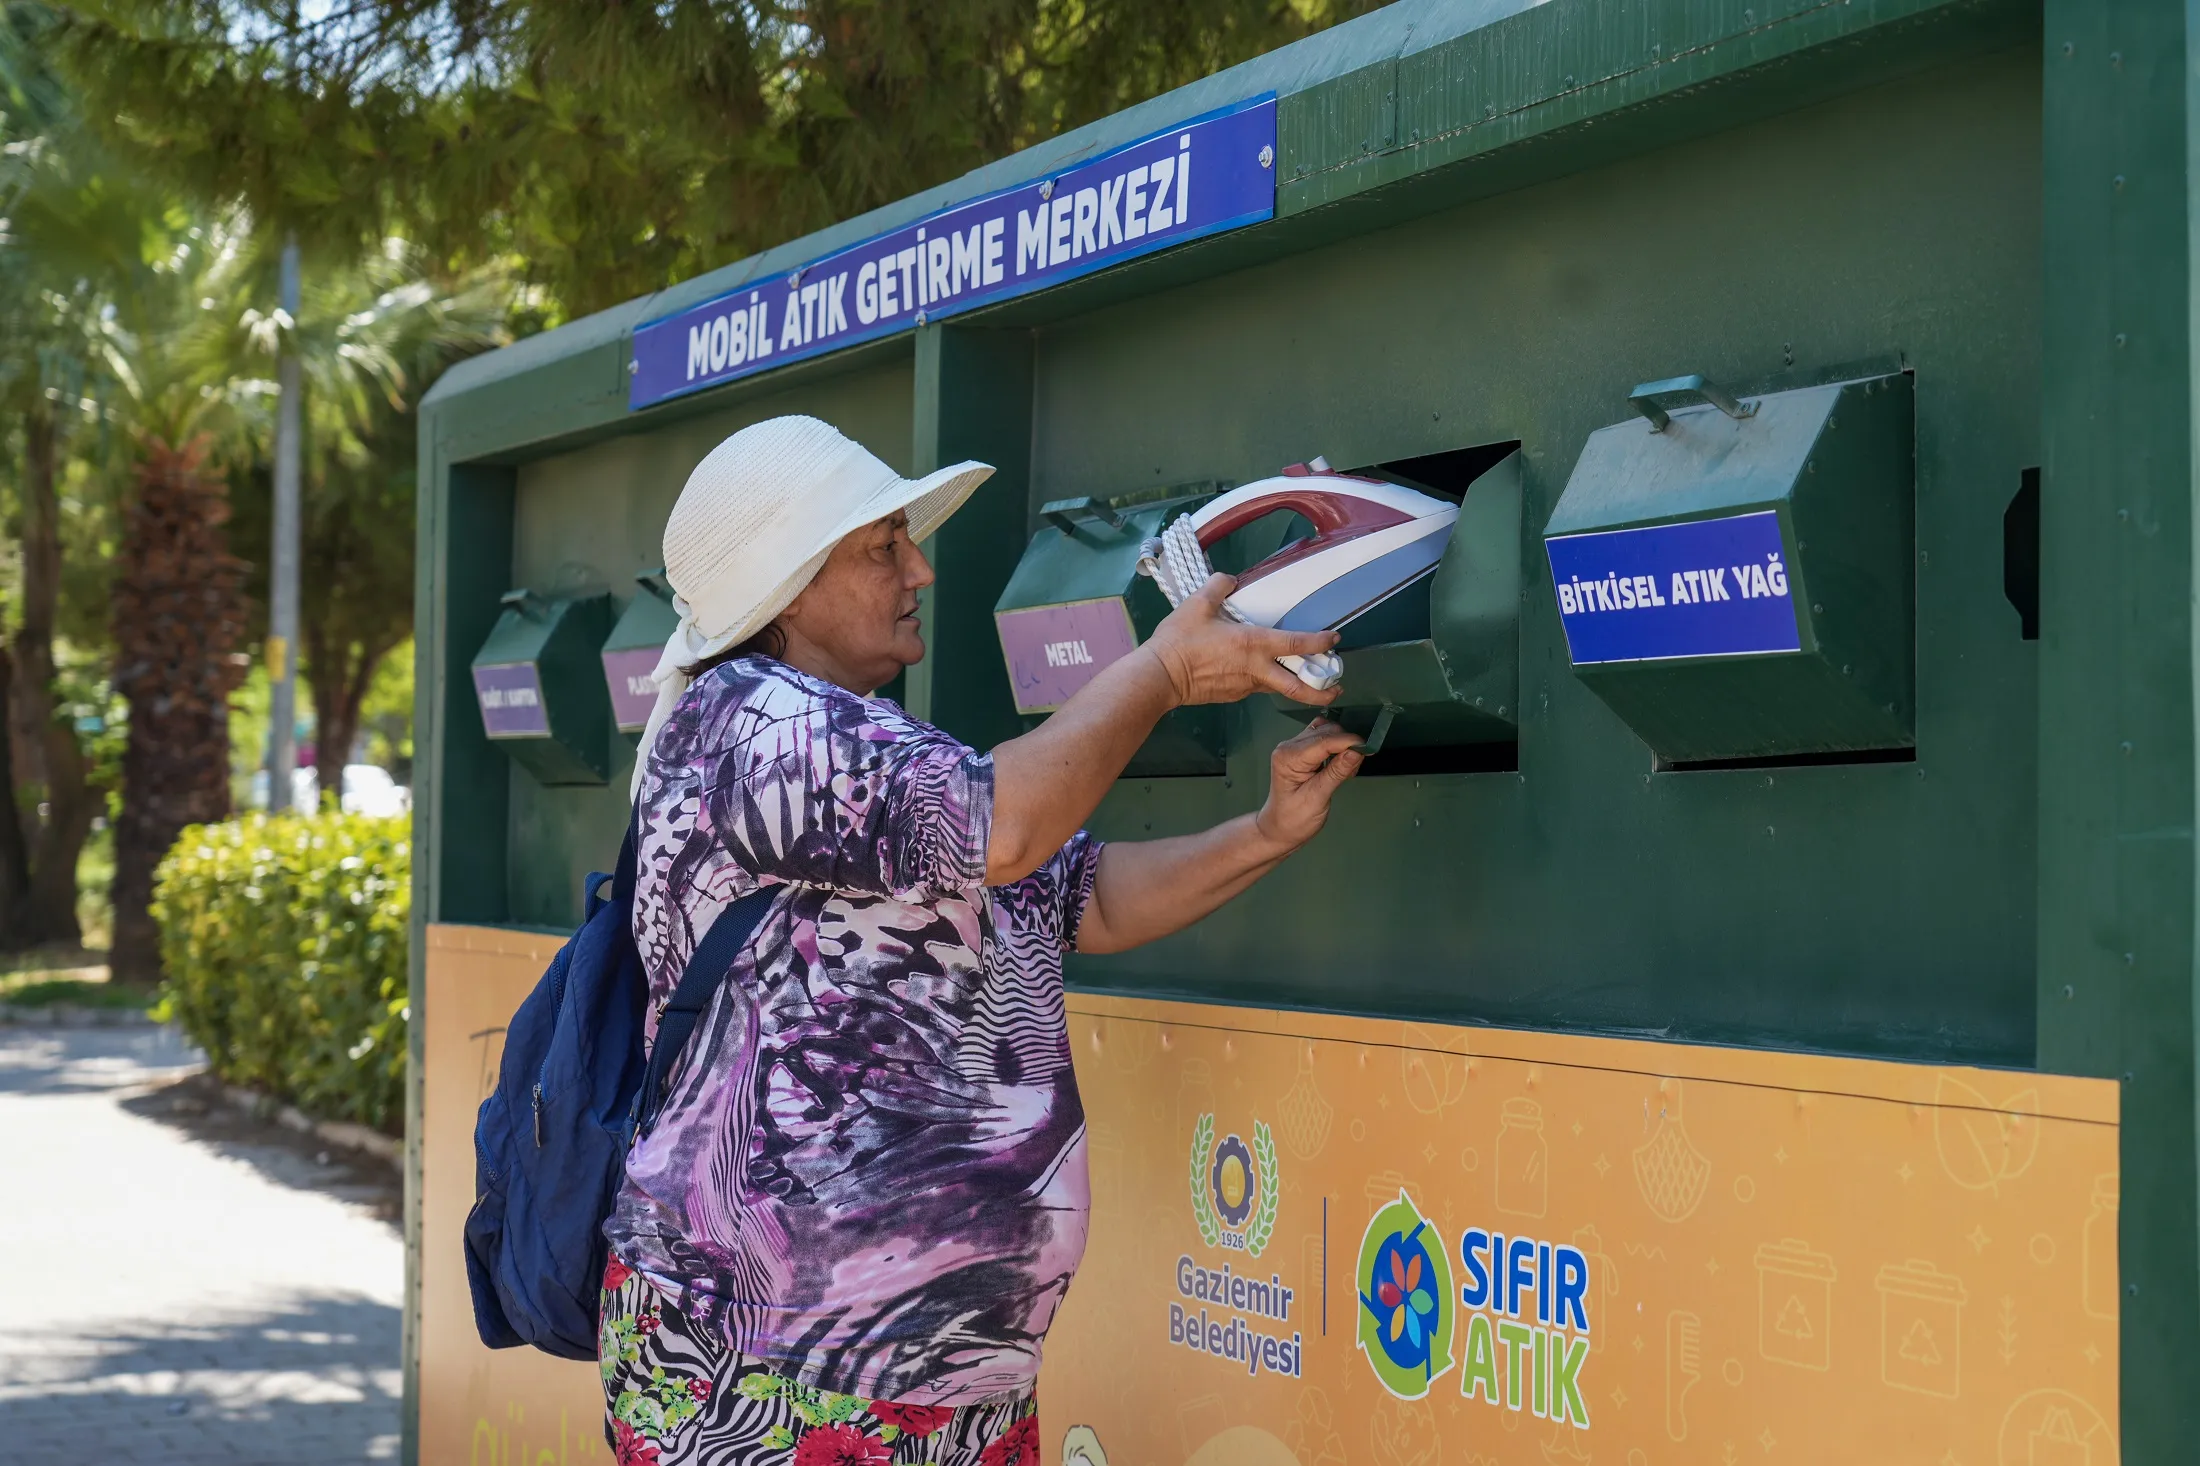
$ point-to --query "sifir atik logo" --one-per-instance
(1406, 1301)
(1527, 1324)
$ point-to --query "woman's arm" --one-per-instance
(1149, 888)
(1046, 783)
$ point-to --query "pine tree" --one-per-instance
(618, 148)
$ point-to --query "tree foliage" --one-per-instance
(618, 147)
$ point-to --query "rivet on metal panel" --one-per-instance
(1046, 189)
(2121, 338)
(2127, 745)
(2070, 48)
(2069, 991)
(1267, 156)
(632, 366)
(2119, 181)
(2129, 957)
(2116, 59)
(1817, 610)
(920, 318)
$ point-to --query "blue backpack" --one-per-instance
(574, 1091)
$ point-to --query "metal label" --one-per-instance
(1705, 588)
(1213, 173)
(510, 695)
(1054, 650)
(627, 673)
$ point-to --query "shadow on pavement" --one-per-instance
(50, 1061)
(311, 1379)
(196, 1107)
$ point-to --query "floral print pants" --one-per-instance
(675, 1395)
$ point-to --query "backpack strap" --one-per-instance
(622, 879)
(699, 982)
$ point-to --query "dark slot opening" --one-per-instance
(1794, 761)
(1445, 758)
(1446, 475)
(2020, 553)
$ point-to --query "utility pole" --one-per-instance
(282, 596)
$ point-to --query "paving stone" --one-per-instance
(184, 1284)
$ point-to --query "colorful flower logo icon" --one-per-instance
(1402, 1293)
(1405, 1300)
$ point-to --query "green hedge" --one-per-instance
(284, 943)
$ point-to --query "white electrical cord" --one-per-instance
(1176, 562)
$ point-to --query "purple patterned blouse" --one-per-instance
(870, 1169)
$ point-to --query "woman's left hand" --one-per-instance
(1303, 775)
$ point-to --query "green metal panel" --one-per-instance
(1885, 908)
(2117, 958)
(1836, 464)
(973, 401)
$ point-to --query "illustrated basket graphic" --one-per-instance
(1670, 1172)
(1302, 1114)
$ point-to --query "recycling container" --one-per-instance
(1712, 1020)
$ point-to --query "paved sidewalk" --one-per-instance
(180, 1284)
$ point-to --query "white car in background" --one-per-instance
(368, 789)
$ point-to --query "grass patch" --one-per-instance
(43, 990)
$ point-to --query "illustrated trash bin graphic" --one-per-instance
(1523, 1160)
(1795, 1304)
(1921, 1329)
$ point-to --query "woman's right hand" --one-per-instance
(1211, 658)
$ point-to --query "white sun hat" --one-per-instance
(755, 522)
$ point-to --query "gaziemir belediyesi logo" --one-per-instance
(1225, 1312)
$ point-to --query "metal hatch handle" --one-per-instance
(1648, 399)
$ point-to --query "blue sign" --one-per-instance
(1706, 588)
(1213, 173)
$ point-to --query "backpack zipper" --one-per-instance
(538, 1115)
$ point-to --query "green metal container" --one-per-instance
(630, 653)
(1824, 475)
(540, 688)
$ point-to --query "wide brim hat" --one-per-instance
(757, 519)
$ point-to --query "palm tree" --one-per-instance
(53, 204)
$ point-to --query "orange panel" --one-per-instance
(481, 1407)
(1749, 1256)
(1780, 1258)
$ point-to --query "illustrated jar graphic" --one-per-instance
(1921, 1329)
(1523, 1160)
(1795, 1304)
(2100, 1248)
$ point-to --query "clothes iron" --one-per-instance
(1372, 540)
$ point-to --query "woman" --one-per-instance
(866, 1194)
